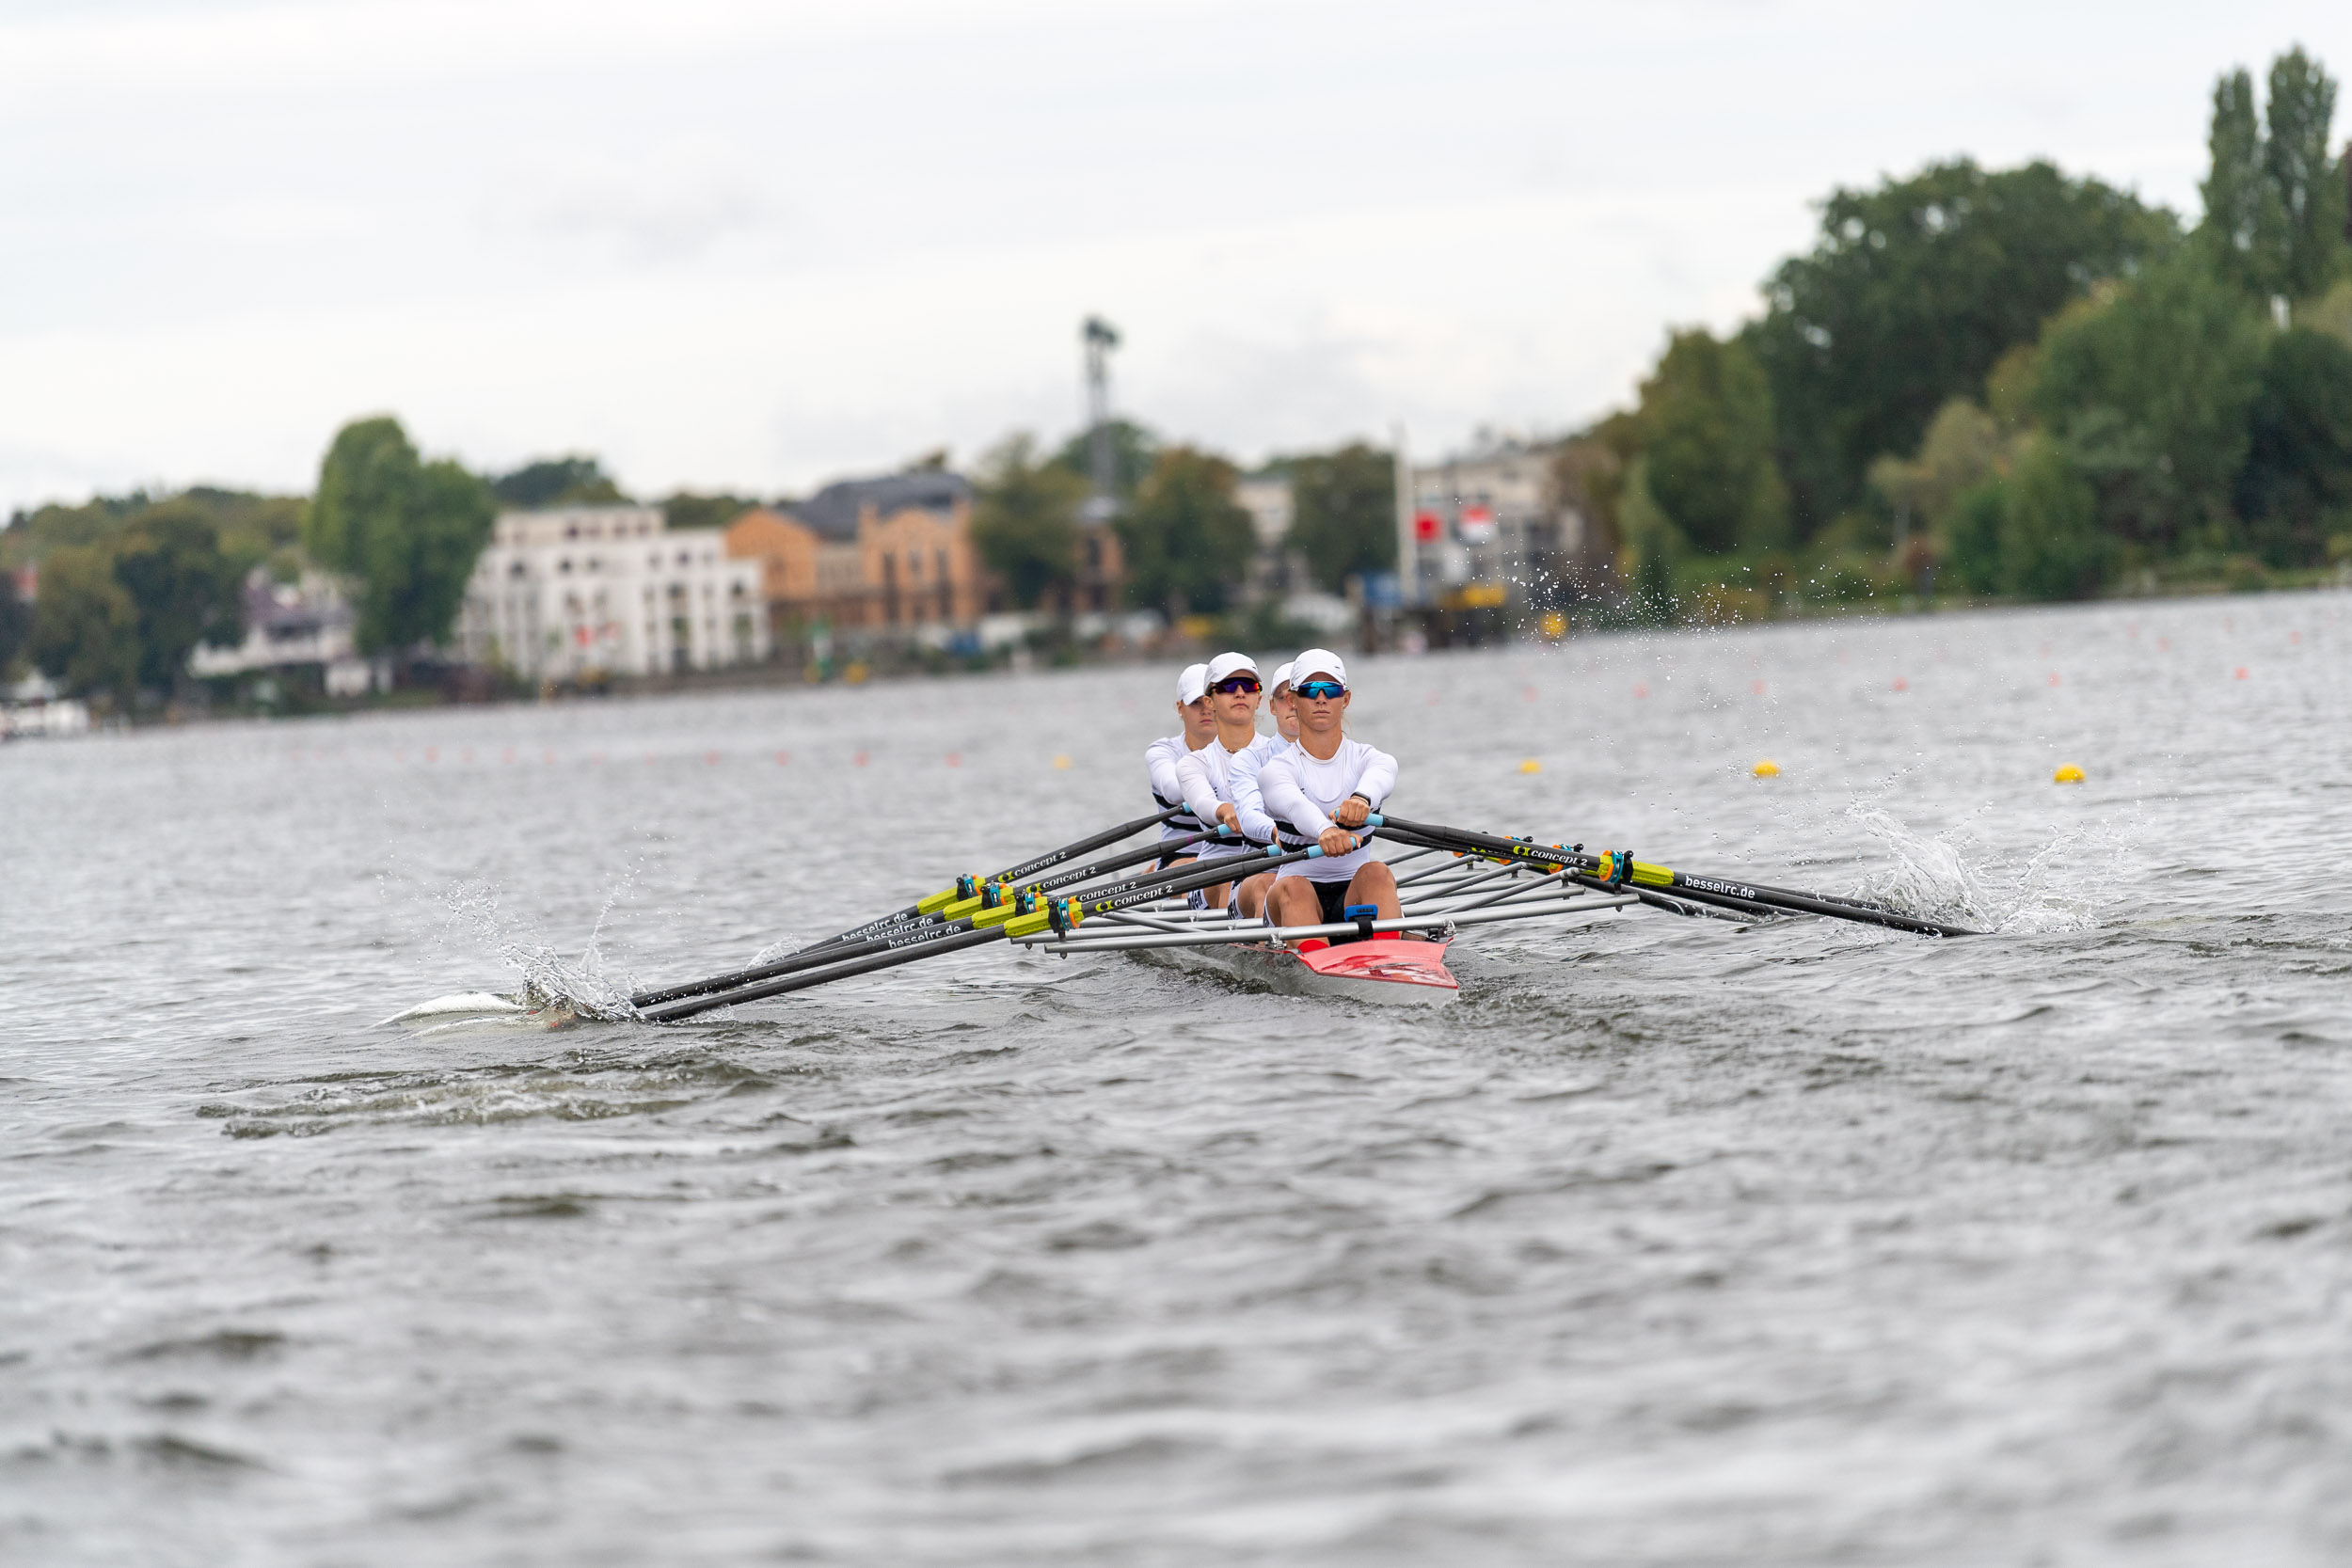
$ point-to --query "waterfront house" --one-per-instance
(579, 592)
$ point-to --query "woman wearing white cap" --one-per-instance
(1240, 777)
(1206, 773)
(1321, 787)
(1161, 756)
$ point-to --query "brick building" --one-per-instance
(873, 558)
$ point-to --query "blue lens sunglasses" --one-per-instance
(1319, 689)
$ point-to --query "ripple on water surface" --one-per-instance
(1672, 1241)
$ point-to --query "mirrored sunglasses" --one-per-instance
(1231, 684)
(1320, 689)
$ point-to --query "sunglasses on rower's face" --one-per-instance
(1319, 691)
(1231, 684)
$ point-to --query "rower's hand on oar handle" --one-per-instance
(1337, 841)
(1229, 817)
(1351, 811)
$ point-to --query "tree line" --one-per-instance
(1186, 541)
(129, 586)
(2034, 384)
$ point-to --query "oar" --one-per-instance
(966, 886)
(885, 937)
(1618, 870)
(913, 916)
(1005, 920)
(1683, 904)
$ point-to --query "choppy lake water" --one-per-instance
(1673, 1243)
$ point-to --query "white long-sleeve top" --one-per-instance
(1241, 778)
(1159, 763)
(1207, 777)
(1300, 790)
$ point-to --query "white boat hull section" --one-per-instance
(1393, 972)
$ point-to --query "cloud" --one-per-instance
(735, 241)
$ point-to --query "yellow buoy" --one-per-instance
(1061, 762)
(1767, 769)
(1530, 766)
(2067, 774)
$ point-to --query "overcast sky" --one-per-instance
(756, 246)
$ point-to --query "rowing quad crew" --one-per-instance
(1305, 784)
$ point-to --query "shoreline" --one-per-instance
(778, 677)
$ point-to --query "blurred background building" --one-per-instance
(1490, 536)
(299, 630)
(584, 590)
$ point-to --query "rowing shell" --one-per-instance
(1385, 971)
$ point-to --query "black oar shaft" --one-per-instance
(875, 935)
(1023, 872)
(1699, 889)
(896, 953)
(908, 921)
(903, 951)
(1083, 846)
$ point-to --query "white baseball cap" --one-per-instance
(1281, 678)
(1228, 664)
(1193, 684)
(1317, 662)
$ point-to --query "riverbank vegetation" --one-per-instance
(2012, 384)
(1975, 384)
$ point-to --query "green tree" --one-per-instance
(1588, 472)
(2051, 544)
(1650, 547)
(1024, 522)
(574, 480)
(1707, 426)
(184, 590)
(1133, 447)
(1960, 450)
(409, 530)
(1972, 534)
(686, 509)
(2151, 389)
(2032, 531)
(86, 629)
(2274, 201)
(2306, 188)
(2295, 488)
(16, 622)
(2242, 220)
(1910, 296)
(1344, 512)
(31, 535)
(1187, 542)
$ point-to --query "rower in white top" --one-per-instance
(1161, 756)
(1321, 787)
(1206, 774)
(1241, 776)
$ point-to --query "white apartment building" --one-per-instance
(576, 590)
(1486, 526)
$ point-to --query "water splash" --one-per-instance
(2065, 884)
(472, 916)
